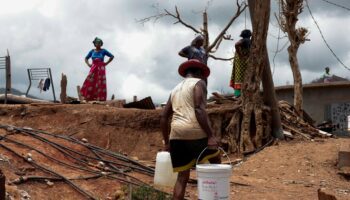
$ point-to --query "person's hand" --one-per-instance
(213, 143)
(166, 147)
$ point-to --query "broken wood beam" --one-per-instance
(296, 131)
(63, 95)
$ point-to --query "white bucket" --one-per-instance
(213, 181)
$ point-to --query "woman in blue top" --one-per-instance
(195, 50)
(94, 87)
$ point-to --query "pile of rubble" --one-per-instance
(293, 125)
(296, 126)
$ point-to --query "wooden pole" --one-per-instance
(7, 75)
(53, 88)
(8, 72)
(206, 34)
(6, 89)
(79, 94)
(2, 186)
(63, 95)
(269, 94)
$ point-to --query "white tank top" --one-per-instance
(184, 124)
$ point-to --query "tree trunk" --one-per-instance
(269, 94)
(298, 85)
(288, 19)
(252, 130)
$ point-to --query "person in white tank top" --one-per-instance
(190, 131)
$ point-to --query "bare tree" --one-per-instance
(290, 9)
(210, 48)
(252, 131)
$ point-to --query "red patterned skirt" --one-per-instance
(94, 87)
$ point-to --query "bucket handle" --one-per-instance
(219, 148)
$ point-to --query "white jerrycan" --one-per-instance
(164, 175)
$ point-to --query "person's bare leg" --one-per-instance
(180, 186)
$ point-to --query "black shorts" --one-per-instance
(184, 153)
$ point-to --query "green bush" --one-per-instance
(148, 193)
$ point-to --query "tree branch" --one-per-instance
(155, 18)
(240, 9)
(177, 16)
(179, 20)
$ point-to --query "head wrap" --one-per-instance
(195, 40)
(97, 40)
(246, 33)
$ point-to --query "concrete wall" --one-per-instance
(318, 98)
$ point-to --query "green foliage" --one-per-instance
(148, 193)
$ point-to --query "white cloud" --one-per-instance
(58, 34)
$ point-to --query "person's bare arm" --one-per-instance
(109, 60)
(87, 62)
(184, 52)
(200, 96)
(164, 123)
(238, 47)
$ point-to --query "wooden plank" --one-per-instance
(296, 131)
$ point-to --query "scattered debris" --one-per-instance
(98, 162)
(3, 158)
(344, 161)
(145, 103)
(324, 194)
(327, 126)
(84, 140)
(49, 183)
(25, 195)
(14, 99)
(297, 126)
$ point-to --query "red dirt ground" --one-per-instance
(289, 170)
